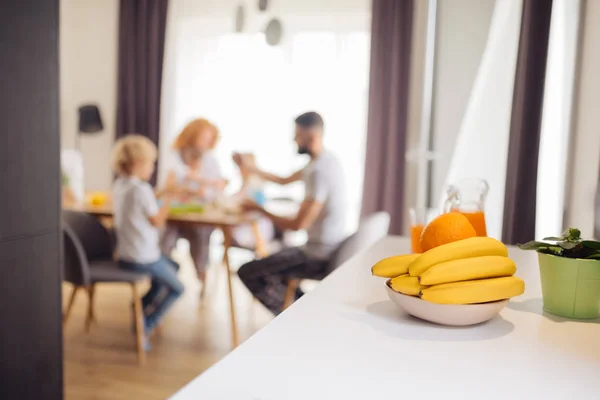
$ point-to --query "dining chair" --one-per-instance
(88, 261)
(371, 228)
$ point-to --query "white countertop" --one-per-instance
(347, 340)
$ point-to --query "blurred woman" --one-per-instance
(195, 174)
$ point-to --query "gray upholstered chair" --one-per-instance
(371, 228)
(88, 260)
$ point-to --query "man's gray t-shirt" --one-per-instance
(324, 183)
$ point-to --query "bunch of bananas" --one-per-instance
(468, 271)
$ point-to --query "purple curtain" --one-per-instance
(142, 25)
(391, 36)
(523, 149)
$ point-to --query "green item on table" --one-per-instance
(182, 209)
(64, 179)
(570, 274)
(569, 245)
(570, 287)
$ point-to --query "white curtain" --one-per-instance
(482, 145)
(556, 118)
(253, 91)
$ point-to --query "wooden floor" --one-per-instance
(103, 365)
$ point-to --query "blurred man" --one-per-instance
(322, 214)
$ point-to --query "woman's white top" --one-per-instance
(209, 169)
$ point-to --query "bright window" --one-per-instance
(253, 92)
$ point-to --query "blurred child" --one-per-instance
(137, 218)
(252, 189)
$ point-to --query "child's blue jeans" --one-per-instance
(164, 290)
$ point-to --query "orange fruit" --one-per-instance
(446, 228)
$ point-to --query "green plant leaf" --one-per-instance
(533, 245)
(572, 234)
(553, 238)
(568, 245)
(557, 251)
(554, 250)
(595, 256)
(591, 244)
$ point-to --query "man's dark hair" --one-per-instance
(309, 119)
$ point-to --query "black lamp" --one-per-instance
(89, 121)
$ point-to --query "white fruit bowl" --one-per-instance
(446, 314)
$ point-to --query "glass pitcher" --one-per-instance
(468, 198)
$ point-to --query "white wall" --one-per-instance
(462, 32)
(585, 152)
(88, 74)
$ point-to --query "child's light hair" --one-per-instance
(131, 149)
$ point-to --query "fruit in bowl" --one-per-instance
(462, 282)
(446, 314)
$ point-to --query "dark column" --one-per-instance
(30, 240)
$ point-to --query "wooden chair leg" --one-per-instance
(290, 293)
(90, 317)
(261, 250)
(203, 288)
(226, 247)
(139, 324)
(67, 312)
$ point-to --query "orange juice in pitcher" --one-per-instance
(477, 219)
(468, 198)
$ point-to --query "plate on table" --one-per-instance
(446, 314)
(182, 209)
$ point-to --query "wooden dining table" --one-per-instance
(217, 217)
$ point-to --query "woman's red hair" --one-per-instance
(189, 135)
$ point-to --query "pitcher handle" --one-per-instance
(450, 202)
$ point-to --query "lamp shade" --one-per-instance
(89, 119)
(263, 4)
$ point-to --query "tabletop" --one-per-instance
(210, 216)
(347, 340)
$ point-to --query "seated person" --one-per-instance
(322, 214)
(195, 174)
(137, 219)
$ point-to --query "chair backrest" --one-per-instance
(75, 266)
(95, 239)
(371, 228)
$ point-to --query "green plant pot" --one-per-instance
(570, 286)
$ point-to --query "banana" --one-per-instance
(467, 269)
(466, 248)
(471, 292)
(392, 267)
(407, 284)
